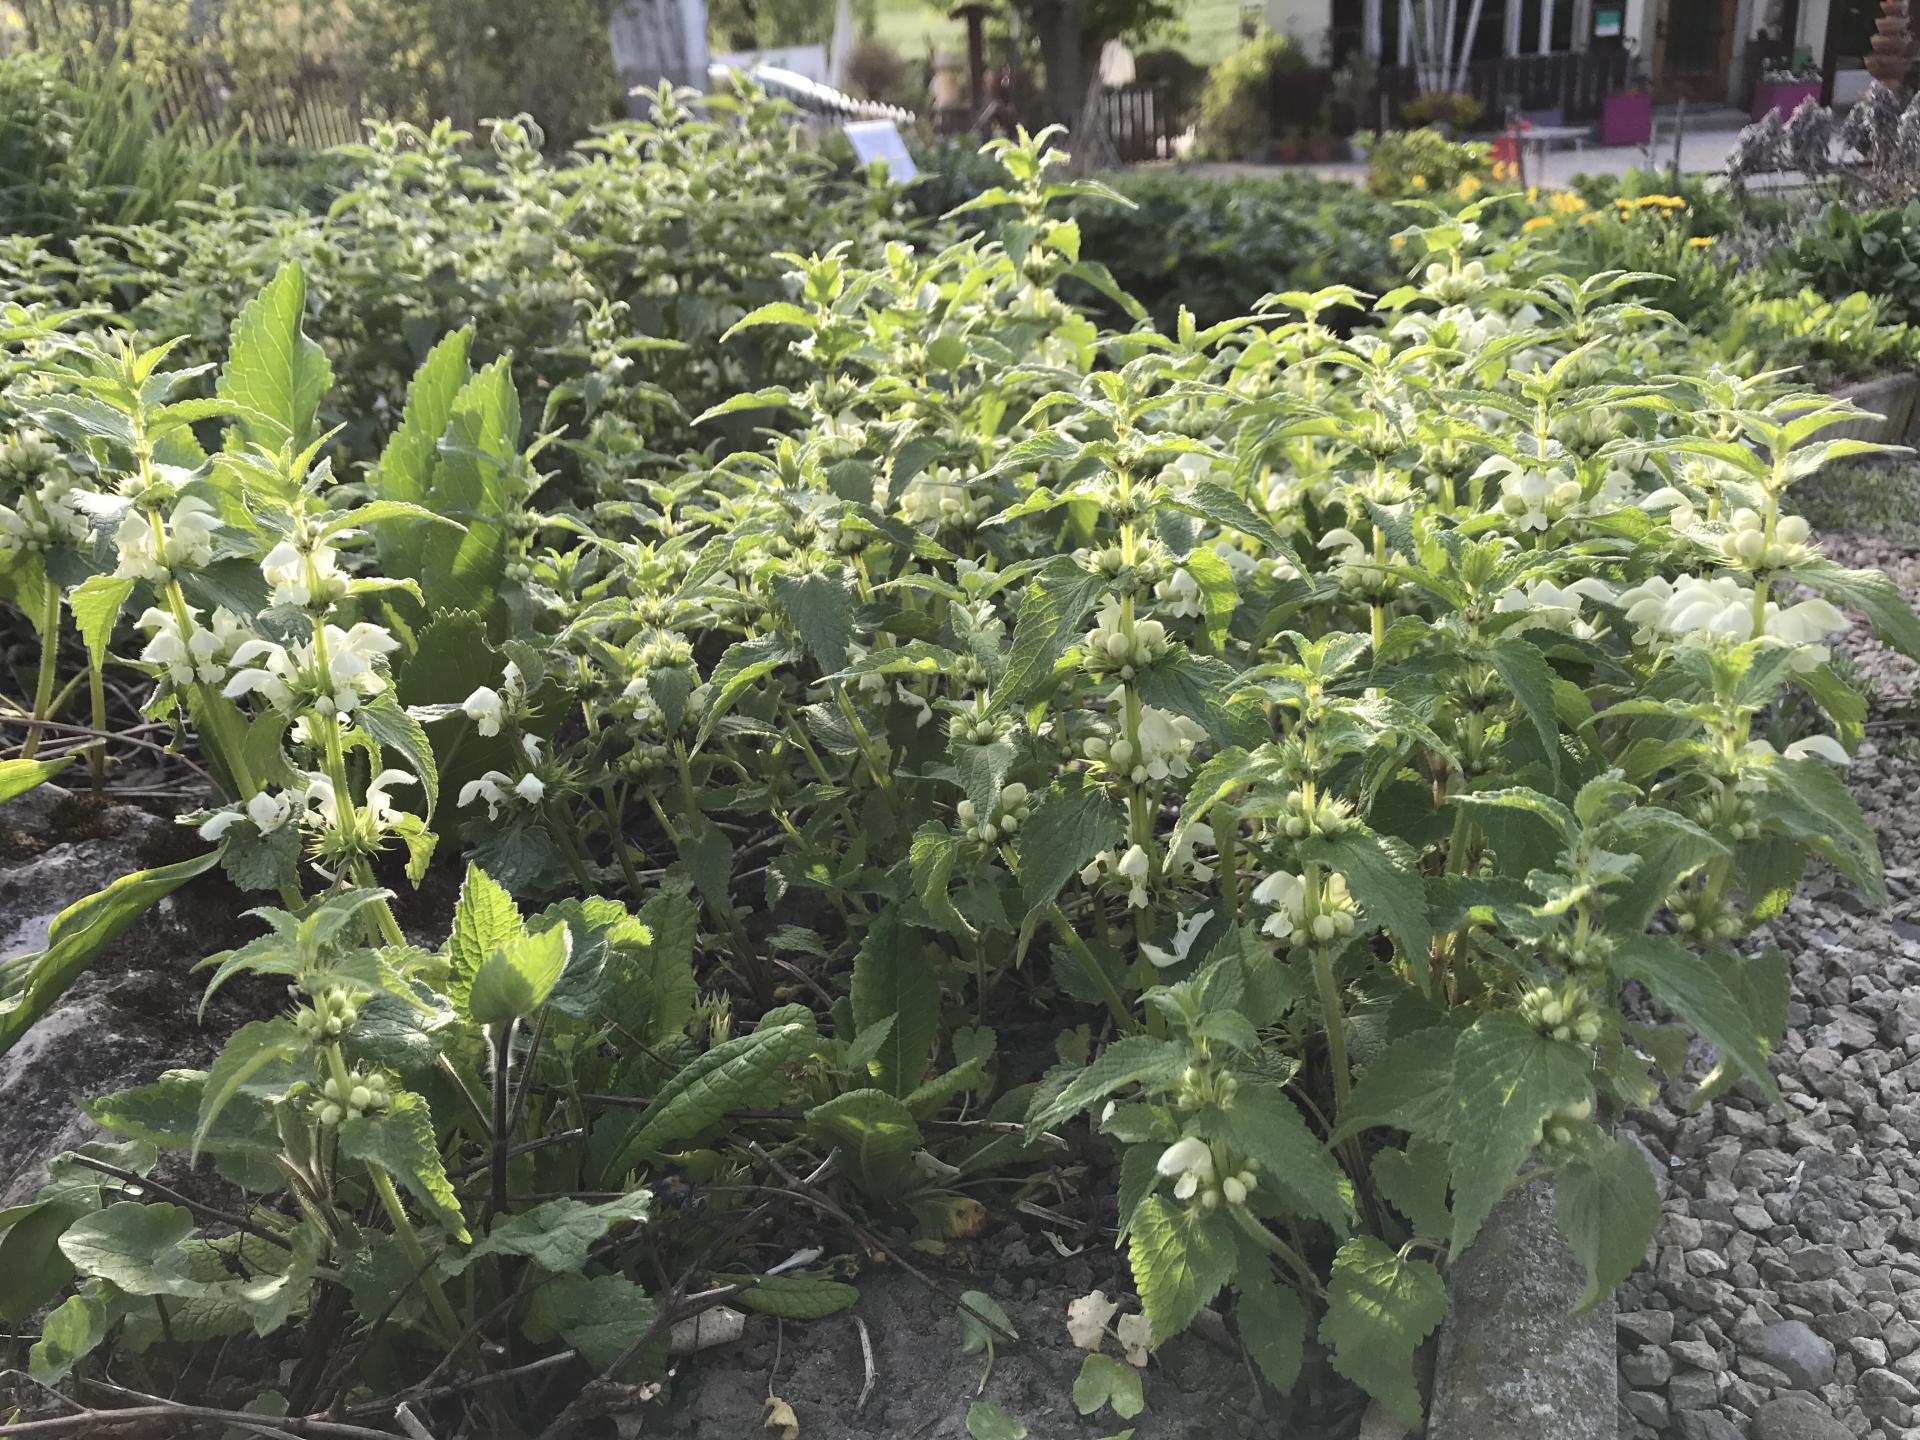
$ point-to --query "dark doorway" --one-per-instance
(1692, 49)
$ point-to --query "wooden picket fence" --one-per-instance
(316, 109)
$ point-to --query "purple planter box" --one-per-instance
(1784, 97)
(1627, 119)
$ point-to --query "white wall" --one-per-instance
(1307, 21)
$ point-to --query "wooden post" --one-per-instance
(975, 15)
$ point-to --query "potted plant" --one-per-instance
(1290, 146)
(1782, 88)
(1626, 118)
(1320, 141)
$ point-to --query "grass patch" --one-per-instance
(1880, 495)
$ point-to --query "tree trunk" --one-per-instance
(1058, 25)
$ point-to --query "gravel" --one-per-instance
(1781, 1298)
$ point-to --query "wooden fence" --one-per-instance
(1140, 122)
(313, 110)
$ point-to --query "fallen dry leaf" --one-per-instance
(1136, 1338)
(780, 1419)
(1087, 1319)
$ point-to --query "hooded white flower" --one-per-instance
(197, 656)
(189, 544)
(1178, 594)
(491, 787)
(1184, 934)
(1697, 611)
(1134, 867)
(530, 788)
(1188, 1162)
(1554, 607)
(486, 709)
(1166, 742)
(286, 570)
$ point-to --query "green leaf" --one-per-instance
(1181, 1257)
(30, 984)
(1222, 506)
(1104, 1380)
(32, 1268)
(1525, 672)
(1404, 1086)
(1134, 1060)
(1607, 1204)
(485, 919)
(933, 854)
(515, 979)
(775, 312)
(1382, 877)
(1872, 592)
(1067, 829)
(19, 776)
(96, 604)
(393, 727)
(1507, 1079)
(1687, 985)
(1264, 1124)
(821, 609)
(133, 1245)
(799, 1295)
(474, 482)
(654, 991)
(1218, 597)
(558, 1235)
(601, 1316)
(257, 1047)
(745, 1072)
(1810, 802)
(1414, 1181)
(273, 369)
(987, 1421)
(1048, 625)
(876, 1132)
(1273, 1323)
(893, 977)
(400, 1141)
(71, 1333)
(1380, 1308)
(738, 670)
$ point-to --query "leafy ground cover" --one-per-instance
(889, 729)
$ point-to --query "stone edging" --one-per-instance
(1894, 397)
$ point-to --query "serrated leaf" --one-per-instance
(932, 857)
(1380, 1308)
(1055, 602)
(1382, 877)
(1181, 1256)
(1404, 1086)
(1272, 1321)
(400, 1141)
(1875, 594)
(744, 1072)
(1507, 1079)
(485, 919)
(96, 604)
(273, 370)
(653, 990)
(256, 1048)
(1414, 1182)
(821, 609)
(740, 668)
(1607, 1205)
(1067, 829)
(1687, 985)
(892, 977)
(1263, 1123)
(516, 978)
(601, 1316)
(393, 727)
(1133, 1060)
(1526, 673)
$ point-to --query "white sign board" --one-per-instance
(881, 140)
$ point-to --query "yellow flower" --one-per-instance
(1565, 202)
(1700, 242)
(1590, 217)
(1533, 195)
(1397, 242)
(1419, 182)
(1538, 222)
(1468, 185)
(1504, 170)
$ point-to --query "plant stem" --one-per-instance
(1096, 972)
(1336, 1025)
(416, 1253)
(502, 1094)
(49, 654)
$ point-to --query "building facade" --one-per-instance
(1705, 51)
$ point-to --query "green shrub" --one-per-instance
(1424, 163)
(1236, 103)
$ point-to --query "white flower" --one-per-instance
(1696, 611)
(1552, 606)
(1178, 594)
(1181, 859)
(1166, 742)
(269, 812)
(486, 709)
(1351, 550)
(1134, 867)
(1191, 1161)
(286, 570)
(379, 807)
(1822, 747)
(218, 824)
(491, 787)
(1184, 934)
(530, 788)
(273, 678)
(189, 542)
